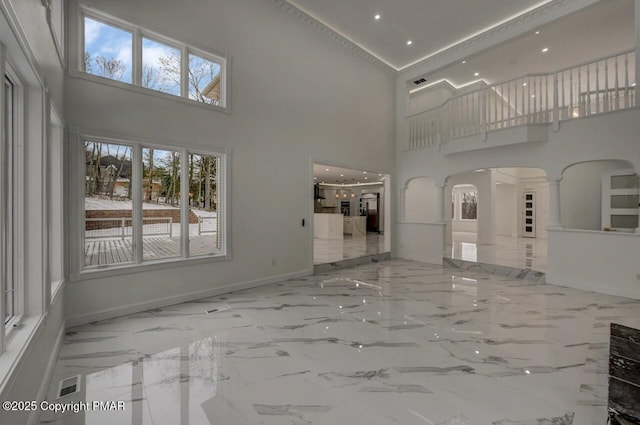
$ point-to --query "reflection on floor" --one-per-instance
(332, 250)
(529, 253)
(393, 342)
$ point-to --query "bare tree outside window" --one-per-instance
(469, 207)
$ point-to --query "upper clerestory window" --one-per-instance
(116, 50)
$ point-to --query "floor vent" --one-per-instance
(69, 386)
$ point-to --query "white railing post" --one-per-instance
(483, 114)
(122, 221)
(556, 110)
(606, 85)
(171, 226)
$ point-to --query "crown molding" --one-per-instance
(296, 12)
(506, 30)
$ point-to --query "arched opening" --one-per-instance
(498, 216)
(418, 200)
(599, 195)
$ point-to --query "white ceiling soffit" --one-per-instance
(441, 31)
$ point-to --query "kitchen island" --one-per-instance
(328, 226)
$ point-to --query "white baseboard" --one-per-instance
(430, 260)
(585, 286)
(164, 302)
(34, 417)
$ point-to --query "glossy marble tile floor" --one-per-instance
(397, 342)
(332, 250)
(519, 253)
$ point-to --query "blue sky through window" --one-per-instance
(201, 74)
(109, 49)
(160, 67)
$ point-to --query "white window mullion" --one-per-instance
(184, 203)
(136, 188)
(3, 202)
(46, 201)
(184, 73)
(136, 51)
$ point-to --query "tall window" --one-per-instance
(179, 214)
(160, 64)
(9, 287)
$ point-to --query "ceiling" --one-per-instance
(596, 31)
(431, 25)
(335, 175)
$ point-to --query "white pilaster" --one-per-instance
(440, 203)
(554, 202)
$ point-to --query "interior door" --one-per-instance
(529, 215)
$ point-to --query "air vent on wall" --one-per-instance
(420, 81)
(69, 386)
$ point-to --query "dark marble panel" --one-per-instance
(625, 332)
(623, 348)
(625, 369)
(624, 375)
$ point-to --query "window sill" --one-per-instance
(116, 270)
(18, 346)
(142, 90)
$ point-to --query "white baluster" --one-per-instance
(556, 110)
(570, 94)
(617, 94)
(562, 113)
(588, 96)
(597, 88)
(606, 85)
(626, 81)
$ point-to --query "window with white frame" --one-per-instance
(108, 50)
(464, 202)
(150, 203)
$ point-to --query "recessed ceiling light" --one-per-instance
(533, 95)
(315, 178)
(545, 50)
(379, 175)
(409, 42)
(476, 74)
(364, 172)
(464, 62)
(537, 32)
(366, 178)
(524, 84)
(341, 175)
(634, 84)
(326, 169)
(377, 17)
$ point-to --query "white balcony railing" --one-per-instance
(596, 87)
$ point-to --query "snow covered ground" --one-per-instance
(112, 204)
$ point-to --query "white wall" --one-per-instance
(420, 201)
(422, 242)
(506, 210)
(297, 97)
(581, 194)
(595, 261)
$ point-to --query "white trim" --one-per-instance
(34, 416)
(57, 42)
(12, 360)
(163, 302)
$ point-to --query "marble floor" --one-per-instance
(332, 250)
(396, 342)
(530, 253)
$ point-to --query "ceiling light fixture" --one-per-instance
(341, 175)
(366, 178)
(463, 62)
(476, 74)
(545, 50)
(524, 84)
(537, 32)
(409, 42)
(364, 172)
(377, 17)
(326, 169)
